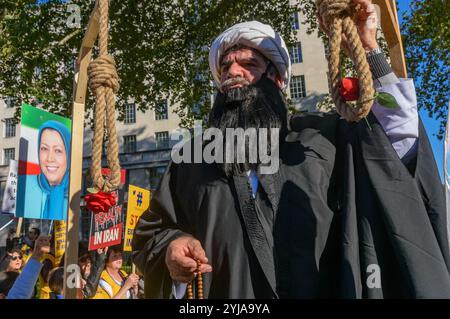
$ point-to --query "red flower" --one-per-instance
(100, 202)
(350, 89)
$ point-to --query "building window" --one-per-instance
(295, 21)
(155, 176)
(162, 139)
(10, 102)
(10, 128)
(129, 144)
(8, 154)
(85, 224)
(297, 89)
(296, 53)
(130, 113)
(161, 111)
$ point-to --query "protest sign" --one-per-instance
(138, 202)
(44, 165)
(60, 240)
(9, 196)
(107, 227)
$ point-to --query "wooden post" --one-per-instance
(19, 226)
(391, 31)
(76, 157)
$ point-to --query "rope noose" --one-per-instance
(104, 83)
(337, 17)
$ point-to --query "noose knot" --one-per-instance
(337, 17)
(103, 73)
(332, 9)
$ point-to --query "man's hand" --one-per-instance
(181, 257)
(366, 21)
(41, 247)
(82, 283)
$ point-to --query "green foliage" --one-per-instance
(161, 48)
(426, 35)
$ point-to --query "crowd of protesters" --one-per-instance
(29, 270)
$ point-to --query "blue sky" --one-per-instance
(431, 125)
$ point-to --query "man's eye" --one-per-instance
(252, 65)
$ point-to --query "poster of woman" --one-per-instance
(44, 165)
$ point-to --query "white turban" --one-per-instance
(256, 35)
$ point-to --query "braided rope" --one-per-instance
(104, 83)
(337, 16)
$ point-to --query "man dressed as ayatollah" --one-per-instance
(347, 199)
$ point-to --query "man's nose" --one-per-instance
(235, 70)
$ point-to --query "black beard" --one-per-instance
(260, 105)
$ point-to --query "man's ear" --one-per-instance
(279, 82)
(277, 79)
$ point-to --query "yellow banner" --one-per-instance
(60, 240)
(138, 202)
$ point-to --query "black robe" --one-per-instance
(347, 219)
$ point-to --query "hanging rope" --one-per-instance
(104, 83)
(337, 17)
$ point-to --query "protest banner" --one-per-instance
(107, 227)
(138, 202)
(44, 164)
(60, 240)
(9, 196)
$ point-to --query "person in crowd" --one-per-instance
(7, 279)
(12, 241)
(85, 263)
(114, 282)
(91, 272)
(24, 286)
(12, 261)
(56, 283)
(42, 287)
(28, 243)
